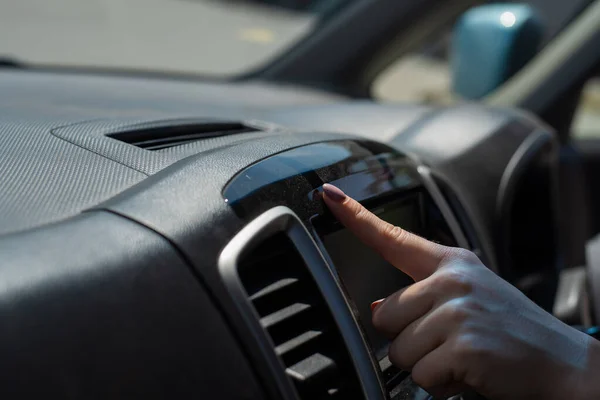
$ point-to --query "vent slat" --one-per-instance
(281, 293)
(303, 346)
(297, 342)
(165, 143)
(283, 314)
(316, 375)
(285, 283)
(315, 368)
(294, 313)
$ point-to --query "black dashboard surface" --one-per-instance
(58, 159)
(92, 308)
(101, 237)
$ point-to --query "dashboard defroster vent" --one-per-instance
(168, 134)
(294, 314)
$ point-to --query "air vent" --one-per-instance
(176, 133)
(293, 312)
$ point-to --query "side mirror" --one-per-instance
(490, 44)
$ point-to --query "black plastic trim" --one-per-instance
(517, 166)
(282, 219)
(364, 169)
(440, 202)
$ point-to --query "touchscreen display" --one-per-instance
(364, 273)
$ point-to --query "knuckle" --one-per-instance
(425, 292)
(358, 211)
(476, 378)
(384, 317)
(468, 346)
(464, 345)
(463, 256)
(470, 350)
(423, 378)
(470, 306)
(397, 356)
(394, 233)
(455, 279)
(456, 312)
(430, 375)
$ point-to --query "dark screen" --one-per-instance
(364, 273)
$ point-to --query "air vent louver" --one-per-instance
(294, 314)
(176, 133)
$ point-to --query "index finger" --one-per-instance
(413, 255)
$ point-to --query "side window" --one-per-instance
(423, 72)
(421, 76)
(586, 124)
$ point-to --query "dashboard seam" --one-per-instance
(236, 174)
(200, 280)
(414, 126)
(53, 133)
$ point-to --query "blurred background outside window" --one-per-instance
(228, 38)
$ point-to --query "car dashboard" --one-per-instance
(180, 247)
(319, 322)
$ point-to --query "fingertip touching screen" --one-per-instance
(365, 275)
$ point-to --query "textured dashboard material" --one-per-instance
(100, 307)
(44, 178)
(55, 160)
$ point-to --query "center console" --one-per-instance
(305, 284)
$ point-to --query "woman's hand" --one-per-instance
(461, 326)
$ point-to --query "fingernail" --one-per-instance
(334, 193)
(376, 304)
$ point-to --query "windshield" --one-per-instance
(210, 37)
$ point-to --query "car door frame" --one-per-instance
(550, 85)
